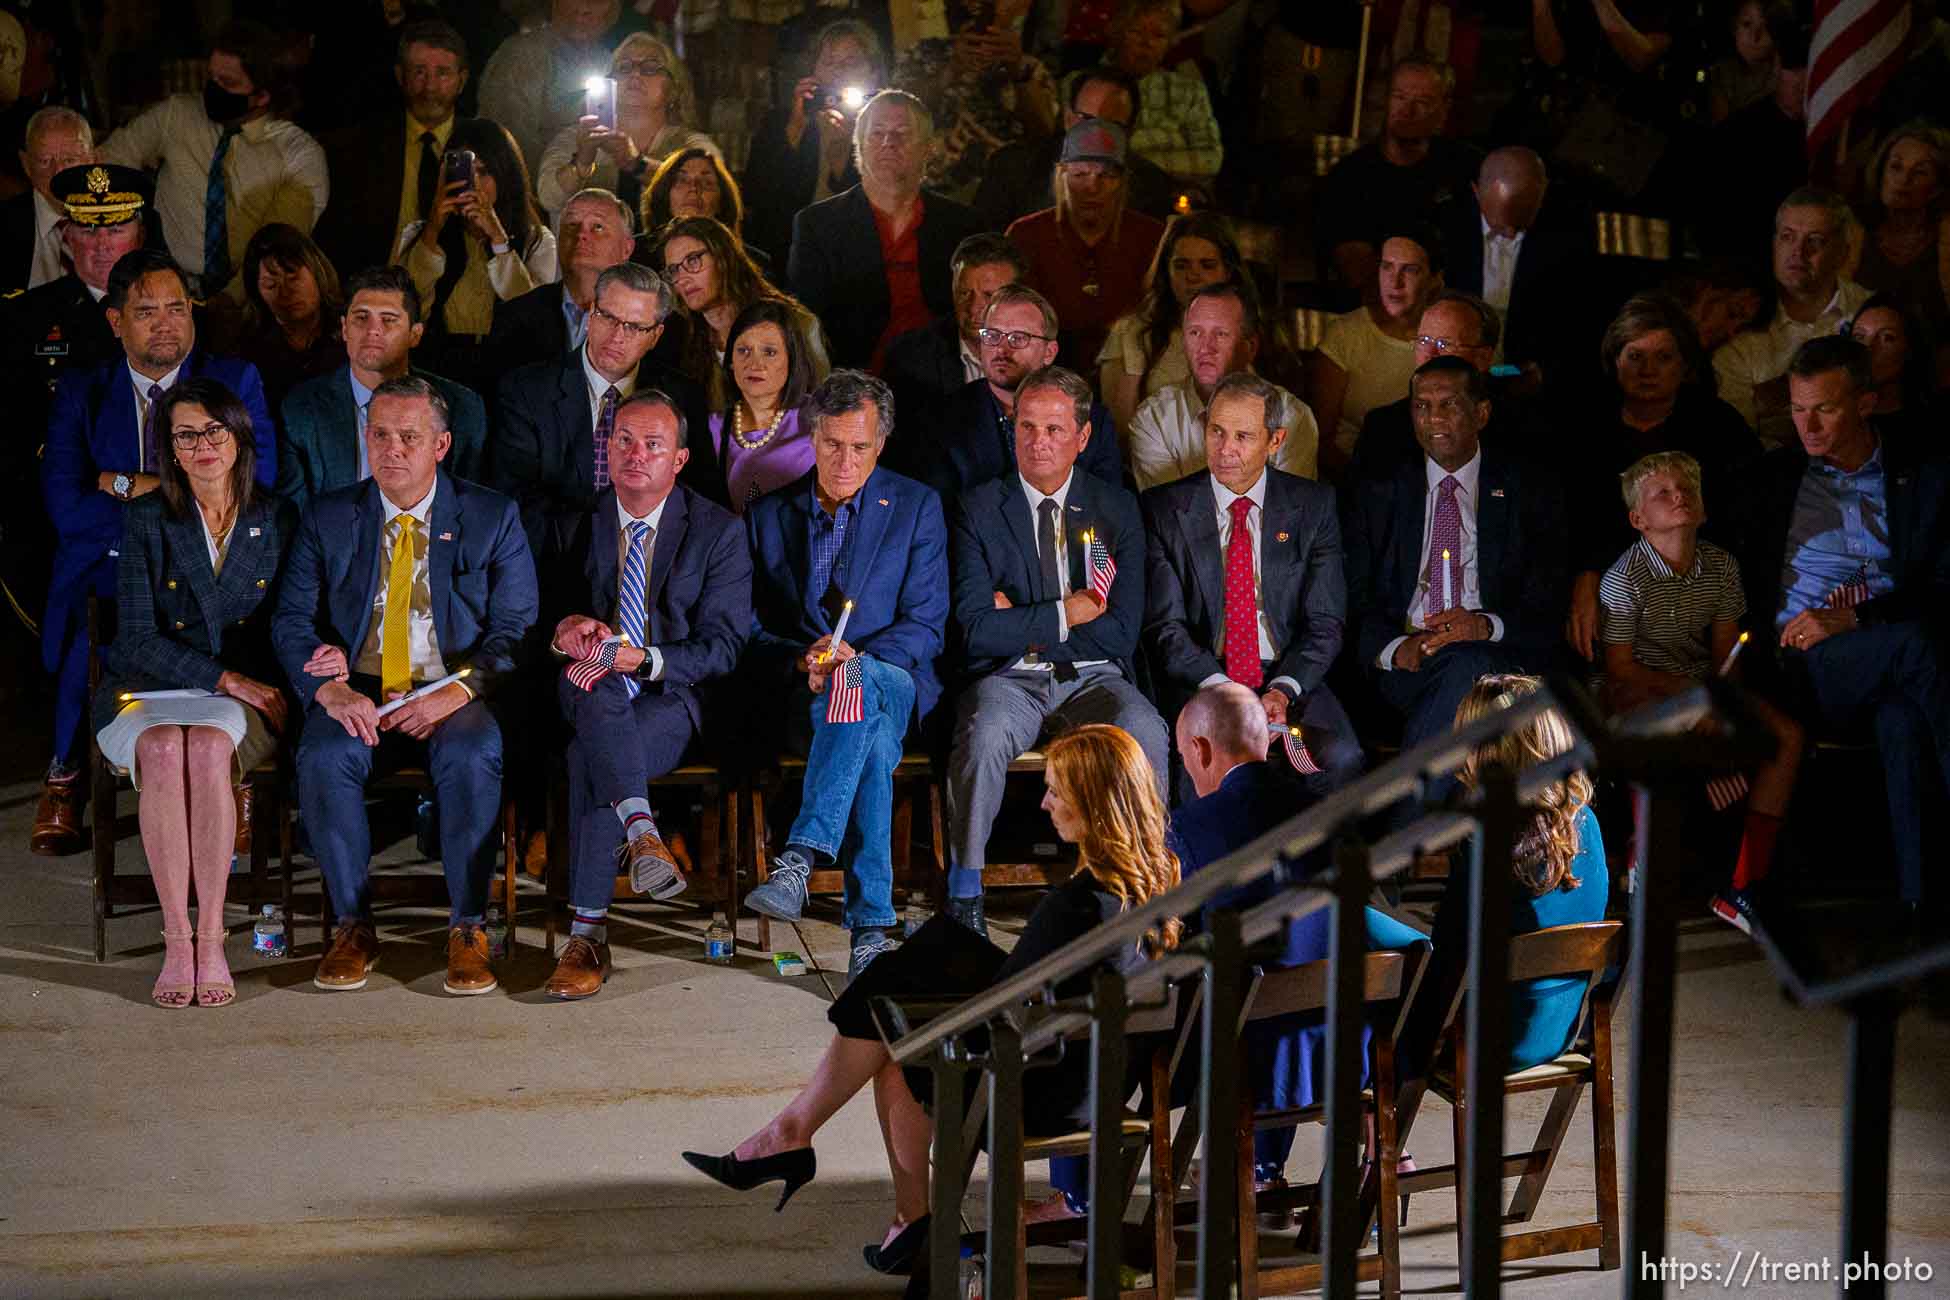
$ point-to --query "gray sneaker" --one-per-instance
(783, 895)
(868, 945)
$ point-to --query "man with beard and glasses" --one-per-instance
(386, 169)
(103, 452)
(230, 160)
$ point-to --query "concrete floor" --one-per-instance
(397, 1141)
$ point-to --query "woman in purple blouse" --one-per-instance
(758, 436)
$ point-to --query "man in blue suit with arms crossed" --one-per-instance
(391, 585)
(850, 540)
(102, 453)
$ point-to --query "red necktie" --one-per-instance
(1242, 607)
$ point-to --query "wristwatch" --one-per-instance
(503, 247)
(121, 485)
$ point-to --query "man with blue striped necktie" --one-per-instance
(669, 578)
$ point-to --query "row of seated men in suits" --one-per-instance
(1455, 567)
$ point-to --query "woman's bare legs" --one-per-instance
(846, 1067)
(212, 840)
(908, 1133)
(162, 811)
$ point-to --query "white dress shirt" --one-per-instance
(653, 659)
(971, 361)
(1167, 437)
(599, 385)
(1471, 595)
(141, 383)
(423, 649)
(1031, 662)
(1499, 266)
(1222, 499)
(47, 242)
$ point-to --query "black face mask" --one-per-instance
(225, 107)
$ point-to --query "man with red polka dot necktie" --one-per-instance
(1245, 582)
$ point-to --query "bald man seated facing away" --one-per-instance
(1221, 735)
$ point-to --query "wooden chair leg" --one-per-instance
(1604, 1143)
(1248, 1209)
(1550, 1140)
(511, 850)
(727, 797)
(937, 832)
(103, 811)
(1387, 1157)
(1459, 1133)
(903, 845)
(710, 837)
(284, 869)
(761, 862)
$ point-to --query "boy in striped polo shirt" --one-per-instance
(1671, 607)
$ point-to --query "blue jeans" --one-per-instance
(847, 812)
(463, 758)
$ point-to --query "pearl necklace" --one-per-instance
(738, 429)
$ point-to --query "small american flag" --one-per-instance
(1723, 792)
(1296, 751)
(585, 673)
(845, 702)
(1851, 593)
(1103, 569)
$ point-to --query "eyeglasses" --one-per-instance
(216, 433)
(637, 68)
(1013, 338)
(1444, 346)
(630, 327)
(688, 265)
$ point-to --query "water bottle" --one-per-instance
(916, 916)
(268, 938)
(974, 1270)
(497, 933)
(720, 944)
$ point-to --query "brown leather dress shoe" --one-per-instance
(652, 869)
(244, 802)
(468, 972)
(343, 968)
(581, 970)
(57, 819)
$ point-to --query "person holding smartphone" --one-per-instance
(803, 151)
(636, 116)
(483, 242)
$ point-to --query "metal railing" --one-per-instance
(1657, 751)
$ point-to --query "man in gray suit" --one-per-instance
(1243, 579)
(325, 418)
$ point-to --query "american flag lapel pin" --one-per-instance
(1496, 492)
(1279, 537)
(883, 501)
(446, 537)
(257, 532)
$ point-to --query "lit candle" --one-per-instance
(839, 631)
(177, 693)
(1448, 595)
(394, 705)
(1727, 665)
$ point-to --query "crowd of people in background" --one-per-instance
(408, 387)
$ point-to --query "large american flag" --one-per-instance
(1858, 46)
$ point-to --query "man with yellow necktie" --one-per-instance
(394, 585)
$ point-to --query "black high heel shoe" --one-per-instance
(795, 1167)
(897, 1257)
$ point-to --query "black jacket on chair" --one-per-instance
(835, 267)
(1522, 553)
(542, 448)
(1303, 587)
(179, 624)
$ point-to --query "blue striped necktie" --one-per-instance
(629, 600)
(216, 218)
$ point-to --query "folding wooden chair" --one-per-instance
(106, 781)
(717, 836)
(1585, 950)
(1389, 981)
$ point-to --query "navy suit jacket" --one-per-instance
(1303, 587)
(835, 267)
(995, 550)
(965, 443)
(1917, 490)
(897, 578)
(321, 434)
(479, 571)
(1522, 553)
(95, 427)
(1251, 800)
(543, 452)
(697, 595)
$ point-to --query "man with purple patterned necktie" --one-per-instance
(1457, 559)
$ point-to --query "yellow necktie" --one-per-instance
(395, 657)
